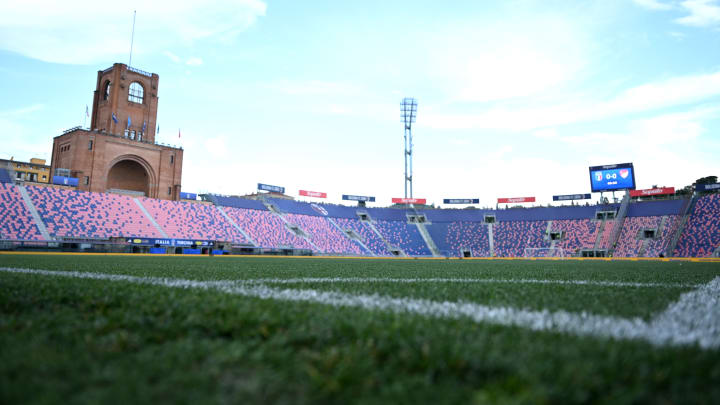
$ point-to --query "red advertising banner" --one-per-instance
(515, 200)
(316, 194)
(409, 200)
(652, 191)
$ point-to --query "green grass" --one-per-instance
(92, 341)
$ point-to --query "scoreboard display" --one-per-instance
(612, 177)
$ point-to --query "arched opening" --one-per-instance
(106, 90)
(129, 176)
(136, 93)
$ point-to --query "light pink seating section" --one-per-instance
(81, 214)
(266, 229)
(607, 234)
(186, 220)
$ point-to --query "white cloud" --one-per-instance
(647, 97)
(661, 132)
(172, 56)
(702, 13)
(546, 133)
(194, 61)
(507, 60)
(314, 87)
(86, 31)
(654, 4)
(22, 111)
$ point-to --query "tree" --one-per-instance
(703, 180)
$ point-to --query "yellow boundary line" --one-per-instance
(606, 259)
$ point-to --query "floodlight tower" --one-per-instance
(408, 112)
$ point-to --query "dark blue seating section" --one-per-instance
(236, 202)
(452, 238)
(16, 223)
(701, 235)
(655, 208)
(404, 236)
(5, 176)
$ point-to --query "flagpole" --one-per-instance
(132, 38)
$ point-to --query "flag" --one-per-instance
(87, 111)
(129, 122)
(158, 130)
(178, 133)
(144, 126)
(114, 118)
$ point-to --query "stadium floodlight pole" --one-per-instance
(408, 112)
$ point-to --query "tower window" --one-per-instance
(106, 90)
(136, 93)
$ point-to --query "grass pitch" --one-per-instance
(83, 340)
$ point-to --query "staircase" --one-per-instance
(686, 209)
(619, 221)
(33, 212)
(491, 240)
(428, 239)
(598, 238)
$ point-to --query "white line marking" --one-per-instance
(694, 319)
(360, 280)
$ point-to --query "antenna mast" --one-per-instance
(408, 112)
(132, 38)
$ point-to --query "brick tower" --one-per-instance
(118, 153)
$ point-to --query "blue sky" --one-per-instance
(515, 98)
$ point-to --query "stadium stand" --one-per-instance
(80, 214)
(16, 222)
(371, 239)
(321, 228)
(578, 234)
(185, 220)
(454, 237)
(326, 236)
(631, 241)
(402, 235)
(701, 235)
(657, 246)
(607, 231)
(512, 237)
(266, 228)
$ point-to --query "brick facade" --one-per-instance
(117, 156)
